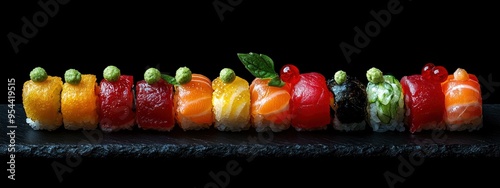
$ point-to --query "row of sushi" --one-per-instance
(431, 100)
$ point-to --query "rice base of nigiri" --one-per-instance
(355, 126)
(395, 124)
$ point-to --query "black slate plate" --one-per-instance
(135, 154)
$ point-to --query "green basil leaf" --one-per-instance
(169, 79)
(276, 81)
(260, 65)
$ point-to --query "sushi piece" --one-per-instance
(116, 101)
(154, 102)
(462, 101)
(231, 102)
(42, 100)
(311, 99)
(193, 101)
(349, 105)
(424, 99)
(79, 101)
(385, 102)
(270, 97)
(270, 106)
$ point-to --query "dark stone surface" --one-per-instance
(309, 158)
(179, 144)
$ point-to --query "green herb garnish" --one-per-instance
(227, 75)
(38, 74)
(152, 75)
(111, 73)
(72, 76)
(261, 66)
(183, 75)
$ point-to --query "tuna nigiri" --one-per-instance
(424, 99)
(311, 99)
(349, 104)
(154, 102)
(231, 102)
(270, 96)
(462, 101)
(116, 101)
(385, 102)
(79, 101)
(42, 100)
(193, 103)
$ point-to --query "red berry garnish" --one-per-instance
(426, 71)
(290, 73)
(439, 74)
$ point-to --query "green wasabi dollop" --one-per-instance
(72, 76)
(340, 77)
(227, 75)
(38, 74)
(374, 75)
(111, 73)
(183, 75)
(152, 75)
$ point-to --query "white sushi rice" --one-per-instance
(474, 124)
(396, 124)
(428, 126)
(356, 126)
(262, 125)
(36, 125)
(186, 124)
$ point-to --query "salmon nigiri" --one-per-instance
(270, 96)
(270, 106)
(231, 102)
(463, 101)
(193, 102)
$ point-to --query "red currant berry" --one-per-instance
(426, 71)
(290, 73)
(439, 74)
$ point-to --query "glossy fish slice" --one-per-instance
(79, 104)
(231, 104)
(155, 106)
(311, 103)
(42, 103)
(193, 103)
(463, 102)
(270, 106)
(116, 102)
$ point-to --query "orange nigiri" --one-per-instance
(270, 108)
(463, 102)
(42, 100)
(79, 101)
(193, 103)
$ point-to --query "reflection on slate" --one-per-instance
(179, 144)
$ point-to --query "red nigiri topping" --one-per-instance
(290, 73)
(434, 73)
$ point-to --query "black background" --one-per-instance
(90, 35)
(135, 35)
